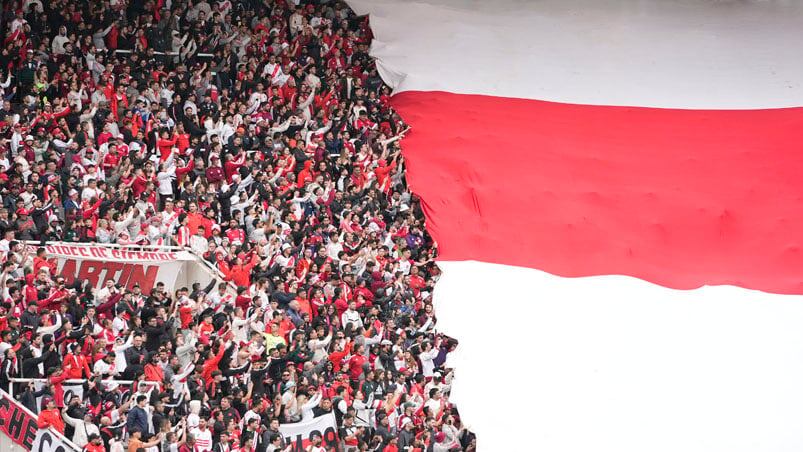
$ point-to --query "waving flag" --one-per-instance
(616, 189)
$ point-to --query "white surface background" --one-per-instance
(614, 363)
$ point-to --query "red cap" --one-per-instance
(22, 212)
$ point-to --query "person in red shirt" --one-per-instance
(239, 273)
(94, 443)
(153, 370)
(214, 174)
(40, 261)
(57, 296)
(235, 234)
(182, 139)
(75, 364)
(50, 416)
(336, 357)
(110, 160)
(31, 293)
(355, 364)
(233, 164)
(165, 144)
(194, 219)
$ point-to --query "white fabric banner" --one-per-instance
(125, 267)
(300, 435)
(46, 441)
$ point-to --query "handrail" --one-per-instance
(53, 431)
(76, 381)
(72, 381)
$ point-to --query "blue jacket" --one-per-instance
(137, 419)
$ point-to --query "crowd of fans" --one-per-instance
(258, 134)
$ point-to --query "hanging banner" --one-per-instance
(16, 422)
(46, 441)
(123, 266)
(299, 435)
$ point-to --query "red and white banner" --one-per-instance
(124, 266)
(16, 422)
(615, 190)
(299, 435)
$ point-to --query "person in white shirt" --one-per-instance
(90, 191)
(57, 48)
(203, 437)
(105, 366)
(318, 346)
(351, 315)
(166, 175)
(313, 80)
(306, 409)
(119, 351)
(435, 404)
(105, 292)
(179, 379)
(193, 420)
(8, 236)
(334, 247)
(198, 242)
(119, 324)
(427, 357)
(239, 324)
(82, 427)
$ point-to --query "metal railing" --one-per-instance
(72, 381)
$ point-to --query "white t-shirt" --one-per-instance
(203, 439)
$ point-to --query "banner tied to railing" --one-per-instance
(126, 267)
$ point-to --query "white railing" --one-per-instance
(72, 381)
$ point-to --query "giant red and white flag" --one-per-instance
(616, 188)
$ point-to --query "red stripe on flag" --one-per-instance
(682, 198)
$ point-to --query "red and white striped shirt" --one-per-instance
(203, 440)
